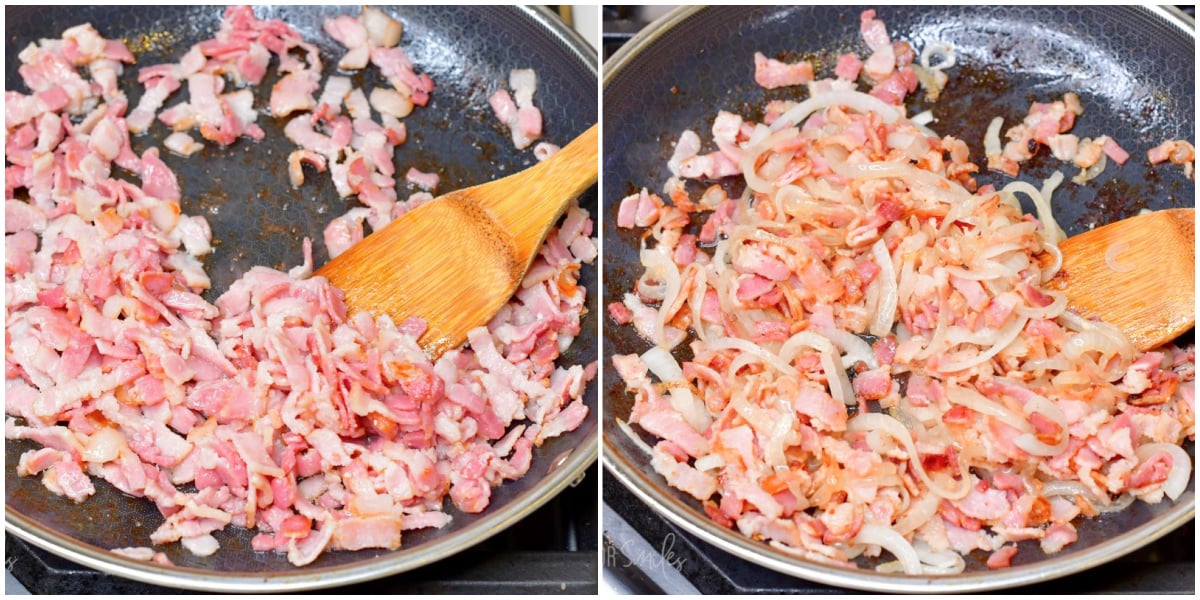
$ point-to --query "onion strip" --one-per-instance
(1181, 467)
(889, 425)
(1110, 257)
(885, 313)
(888, 539)
(991, 139)
(858, 101)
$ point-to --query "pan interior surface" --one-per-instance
(1134, 70)
(258, 218)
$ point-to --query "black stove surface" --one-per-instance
(1167, 566)
(552, 551)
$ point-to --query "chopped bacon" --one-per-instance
(426, 181)
(294, 93)
(1113, 151)
(873, 332)
(1179, 152)
(521, 117)
(873, 385)
(1058, 536)
(771, 74)
(620, 313)
(883, 57)
(1002, 558)
(272, 408)
(848, 66)
(182, 144)
(297, 159)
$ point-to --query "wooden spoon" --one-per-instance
(1137, 274)
(456, 260)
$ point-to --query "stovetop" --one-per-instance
(646, 554)
(531, 557)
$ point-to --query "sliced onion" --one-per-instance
(858, 101)
(661, 268)
(1051, 232)
(692, 409)
(754, 151)
(1121, 503)
(637, 440)
(764, 355)
(839, 383)
(1090, 173)
(945, 561)
(1074, 488)
(663, 365)
(1047, 364)
(1004, 337)
(885, 313)
(1181, 466)
(1101, 337)
(854, 349)
(942, 49)
(1110, 257)
(1049, 272)
(968, 397)
(696, 302)
(709, 462)
(780, 434)
(759, 419)
(831, 363)
(1049, 311)
(889, 425)
(888, 539)
(931, 185)
(991, 139)
(923, 117)
(921, 511)
(1050, 184)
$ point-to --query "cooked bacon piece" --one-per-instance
(1002, 558)
(848, 67)
(523, 119)
(882, 61)
(426, 181)
(771, 74)
(294, 93)
(1179, 152)
(297, 158)
(182, 144)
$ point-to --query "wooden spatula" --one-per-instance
(1137, 274)
(456, 260)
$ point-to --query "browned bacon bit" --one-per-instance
(1179, 152)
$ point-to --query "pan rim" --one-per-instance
(616, 461)
(568, 473)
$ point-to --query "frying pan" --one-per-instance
(1134, 70)
(258, 218)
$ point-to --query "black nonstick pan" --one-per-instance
(259, 219)
(1133, 68)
